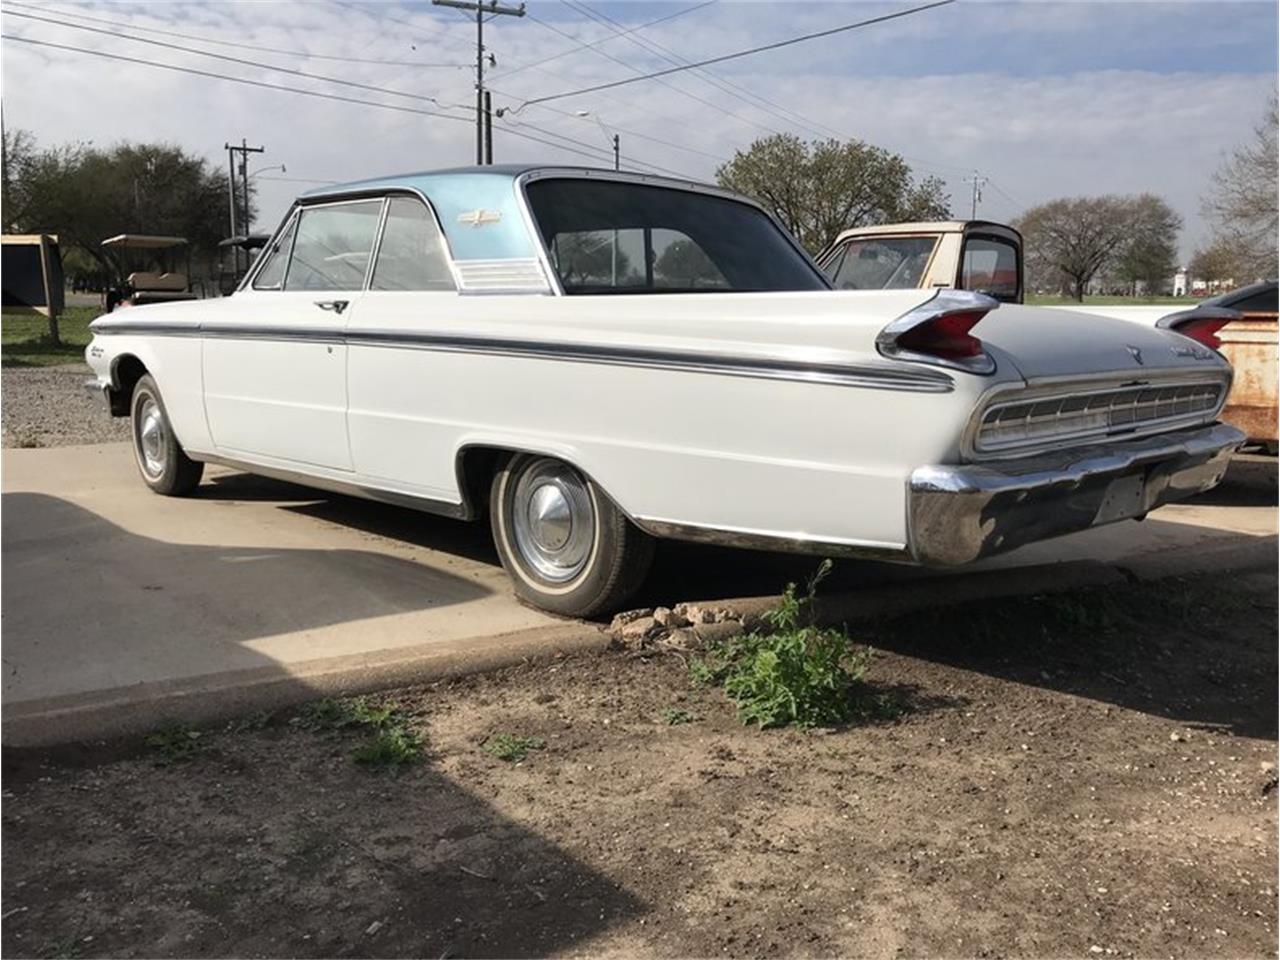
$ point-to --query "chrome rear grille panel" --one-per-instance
(1017, 425)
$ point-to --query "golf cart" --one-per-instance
(232, 265)
(154, 277)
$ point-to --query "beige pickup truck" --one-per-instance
(973, 255)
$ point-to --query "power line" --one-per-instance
(585, 150)
(240, 60)
(744, 53)
(724, 85)
(580, 45)
(640, 76)
(247, 46)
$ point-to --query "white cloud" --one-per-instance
(1038, 129)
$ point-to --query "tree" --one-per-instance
(820, 188)
(686, 265)
(1243, 199)
(1071, 240)
(85, 195)
(1148, 257)
(1218, 262)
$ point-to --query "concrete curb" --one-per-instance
(128, 711)
(125, 711)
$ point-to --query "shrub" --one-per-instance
(793, 673)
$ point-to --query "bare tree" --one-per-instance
(1069, 240)
(1244, 198)
(1219, 262)
(1148, 256)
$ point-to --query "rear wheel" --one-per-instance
(164, 465)
(566, 545)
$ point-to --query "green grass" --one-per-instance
(1039, 300)
(393, 744)
(510, 747)
(24, 338)
(674, 716)
(174, 744)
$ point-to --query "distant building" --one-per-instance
(1180, 282)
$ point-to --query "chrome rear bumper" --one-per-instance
(957, 514)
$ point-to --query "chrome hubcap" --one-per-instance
(151, 437)
(553, 520)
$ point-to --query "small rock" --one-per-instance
(1176, 737)
(1266, 766)
(373, 928)
(630, 616)
(640, 629)
(696, 614)
(669, 618)
(1095, 949)
(682, 638)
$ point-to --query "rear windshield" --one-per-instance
(609, 237)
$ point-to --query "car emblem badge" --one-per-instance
(1134, 352)
(478, 218)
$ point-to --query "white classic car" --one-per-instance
(594, 359)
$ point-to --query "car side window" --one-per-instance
(990, 266)
(411, 255)
(333, 246)
(272, 273)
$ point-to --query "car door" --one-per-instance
(405, 403)
(275, 364)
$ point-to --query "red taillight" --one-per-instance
(945, 336)
(1202, 330)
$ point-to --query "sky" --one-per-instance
(1044, 98)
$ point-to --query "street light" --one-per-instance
(247, 215)
(612, 137)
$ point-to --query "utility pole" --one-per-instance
(481, 7)
(244, 150)
(617, 157)
(488, 129)
(977, 182)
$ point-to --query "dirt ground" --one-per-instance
(1088, 774)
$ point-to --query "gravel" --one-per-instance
(49, 407)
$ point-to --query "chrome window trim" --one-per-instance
(645, 180)
(252, 274)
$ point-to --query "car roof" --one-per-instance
(927, 226)
(423, 180)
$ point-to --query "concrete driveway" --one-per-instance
(122, 609)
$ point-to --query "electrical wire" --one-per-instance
(240, 60)
(586, 150)
(580, 45)
(243, 46)
(883, 18)
(724, 85)
(608, 56)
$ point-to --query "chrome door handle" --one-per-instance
(337, 306)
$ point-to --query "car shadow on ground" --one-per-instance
(217, 857)
(1158, 647)
(83, 594)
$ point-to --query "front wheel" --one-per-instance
(164, 465)
(565, 544)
